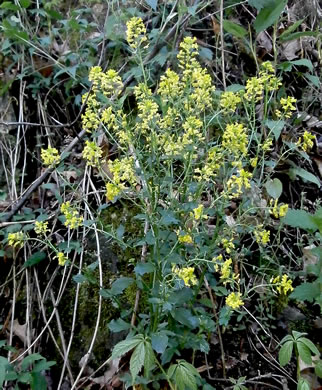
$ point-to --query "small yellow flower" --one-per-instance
(92, 153)
(136, 33)
(186, 274)
(226, 270)
(50, 156)
(307, 142)
(284, 285)
(16, 239)
(288, 106)
(73, 219)
(278, 211)
(198, 213)
(185, 238)
(228, 244)
(229, 101)
(235, 139)
(62, 259)
(254, 162)
(262, 236)
(41, 228)
(233, 300)
(267, 144)
(112, 191)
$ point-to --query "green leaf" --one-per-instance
(24, 377)
(3, 368)
(43, 365)
(304, 352)
(79, 278)
(206, 53)
(54, 14)
(125, 346)
(274, 188)
(34, 259)
(303, 384)
(318, 368)
(38, 381)
(290, 29)
(269, 15)
(144, 268)
(29, 360)
(137, 360)
(120, 285)
(306, 292)
(275, 126)
(185, 376)
(298, 35)
(2, 343)
(235, 88)
(159, 342)
(234, 29)
(168, 218)
(185, 317)
(285, 353)
(9, 5)
(300, 219)
(152, 3)
(313, 79)
(25, 3)
(310, 345)
(259, 4)
(118, 325)
(307, 176)
(303, 62)
(149, 359)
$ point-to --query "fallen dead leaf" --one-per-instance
(290, 49)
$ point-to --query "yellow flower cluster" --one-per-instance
(184, 238)
(210, 168)
(41, 228)
(266, 82)
(73, 219)
(147, 108)
(228, 245)
(170, 87)
(136, 33)
(108, 84)
(284, 285)
(278, 211)
(229, 101)
(200, 97)
(225, 271)
(92, 153)
(307, 142)
(50, 156)
(122, 172)
(234, 300)
(235, 139)
(267, 144)
(287, 107)
(16, 239)
(188, 53)
(197, 213)
(236, 184)
(262, 235)
(186, 274)
(62, 259)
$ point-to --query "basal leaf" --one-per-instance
(118, 325)
(274, 188)
(137, 360)
(285, 353)
(304, 352)
(159, 342)
(125, 346)
(120, 285)
(306, 292)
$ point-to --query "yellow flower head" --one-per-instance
(233, 300)
(278, 211)
(288, 106)
(235, 139)
(185, 238)
(41, 228)
(262, 236)
(229, 101)
(50, 156)
(136, 33)
(73, 219)
(198, 213)
(186, 274)
(283, 285)
(16, 239)
(188, 53)
(307, 142)
(62, 259)
(92, 153)
(112, 191)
